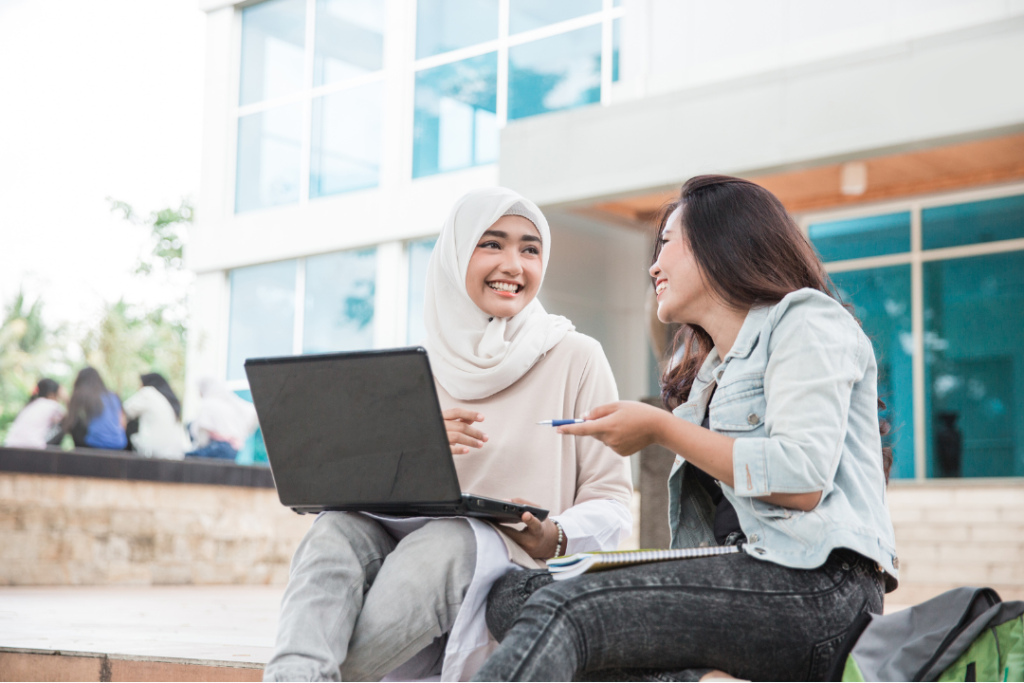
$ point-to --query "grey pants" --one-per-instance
(359, 603)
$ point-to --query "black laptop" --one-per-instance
(362, 431)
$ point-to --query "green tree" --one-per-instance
(29, 350)
(130, 341)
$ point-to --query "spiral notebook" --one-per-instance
(568, 566)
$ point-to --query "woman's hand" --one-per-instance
(461, 434)
(539, 539)
(626, 426)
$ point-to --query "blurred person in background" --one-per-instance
(223, 422)
(157, 411)
(38, 423)
(95, 418)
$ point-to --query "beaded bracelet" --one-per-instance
(561, 538)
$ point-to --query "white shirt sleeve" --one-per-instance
(595, 525)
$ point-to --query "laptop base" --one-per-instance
(469, 506)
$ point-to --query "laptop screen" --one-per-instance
(353, 428)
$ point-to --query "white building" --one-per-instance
(339, 132)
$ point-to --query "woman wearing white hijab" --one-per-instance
(368, 596)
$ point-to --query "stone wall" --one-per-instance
(958, 533)
(61, 530)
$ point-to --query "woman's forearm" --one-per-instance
(712, 453)
(704, 448)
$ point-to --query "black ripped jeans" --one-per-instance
(674, 621)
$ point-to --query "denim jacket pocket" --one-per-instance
(740, 410)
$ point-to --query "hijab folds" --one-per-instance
(473, 355)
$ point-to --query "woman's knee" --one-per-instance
(441, 551)
(508, 595)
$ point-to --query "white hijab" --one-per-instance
(472, 355)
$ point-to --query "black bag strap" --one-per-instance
(835, 672)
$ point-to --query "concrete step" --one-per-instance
(20, 664)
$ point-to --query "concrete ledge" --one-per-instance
(88, 462)
(59, 530)
(18, 664)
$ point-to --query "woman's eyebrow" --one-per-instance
(501, 234)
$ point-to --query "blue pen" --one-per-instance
(559, 423)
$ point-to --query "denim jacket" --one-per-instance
(798, 392)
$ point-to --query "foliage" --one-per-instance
(28, 351)
(130, 341)
(127, 341)
(167, 234)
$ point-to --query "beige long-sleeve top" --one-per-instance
(522, 459)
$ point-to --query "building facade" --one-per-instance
(339, 133)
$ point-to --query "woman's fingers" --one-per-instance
(457, 426)
(464, 440)
(462, 414)
(603, 411)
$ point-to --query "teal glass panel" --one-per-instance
(455, 118)
(262, 316)
(254, 451)
(273, 50)
(861, 237)
(269, 158)
(529, 14)
(974, 365)
(881, 301)
(560, 72)
(444, 25)
(349, 39)
(419, 255)
(616, 43)
(339, 301)
(346, 140)
(987, 221)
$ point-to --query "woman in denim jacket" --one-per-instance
(776, 425)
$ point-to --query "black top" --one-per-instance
(726, 520)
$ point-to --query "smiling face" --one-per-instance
(682, 294)
(505, 270)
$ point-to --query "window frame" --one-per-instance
(305, 96)
(605, 17)
(916, 258)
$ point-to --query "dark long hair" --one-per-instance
(158, 382)
(86, 401)
(46, 388)
(750, 253)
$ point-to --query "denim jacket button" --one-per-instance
(752, 418)
(753, 538)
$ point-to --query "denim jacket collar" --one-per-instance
(750, 332)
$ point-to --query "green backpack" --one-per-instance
(966, 634)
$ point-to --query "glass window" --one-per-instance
(273, 50)
(262, 316)
(455, 121)
(881, 300)
(616, 43)
(346, 140)
(349, 39)
(338, 313)
(419, 256)
(987, 221)
(555, 73)
(974, 365)
(860, 237)
(528, 14)
(443, 25)
(269, 158)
